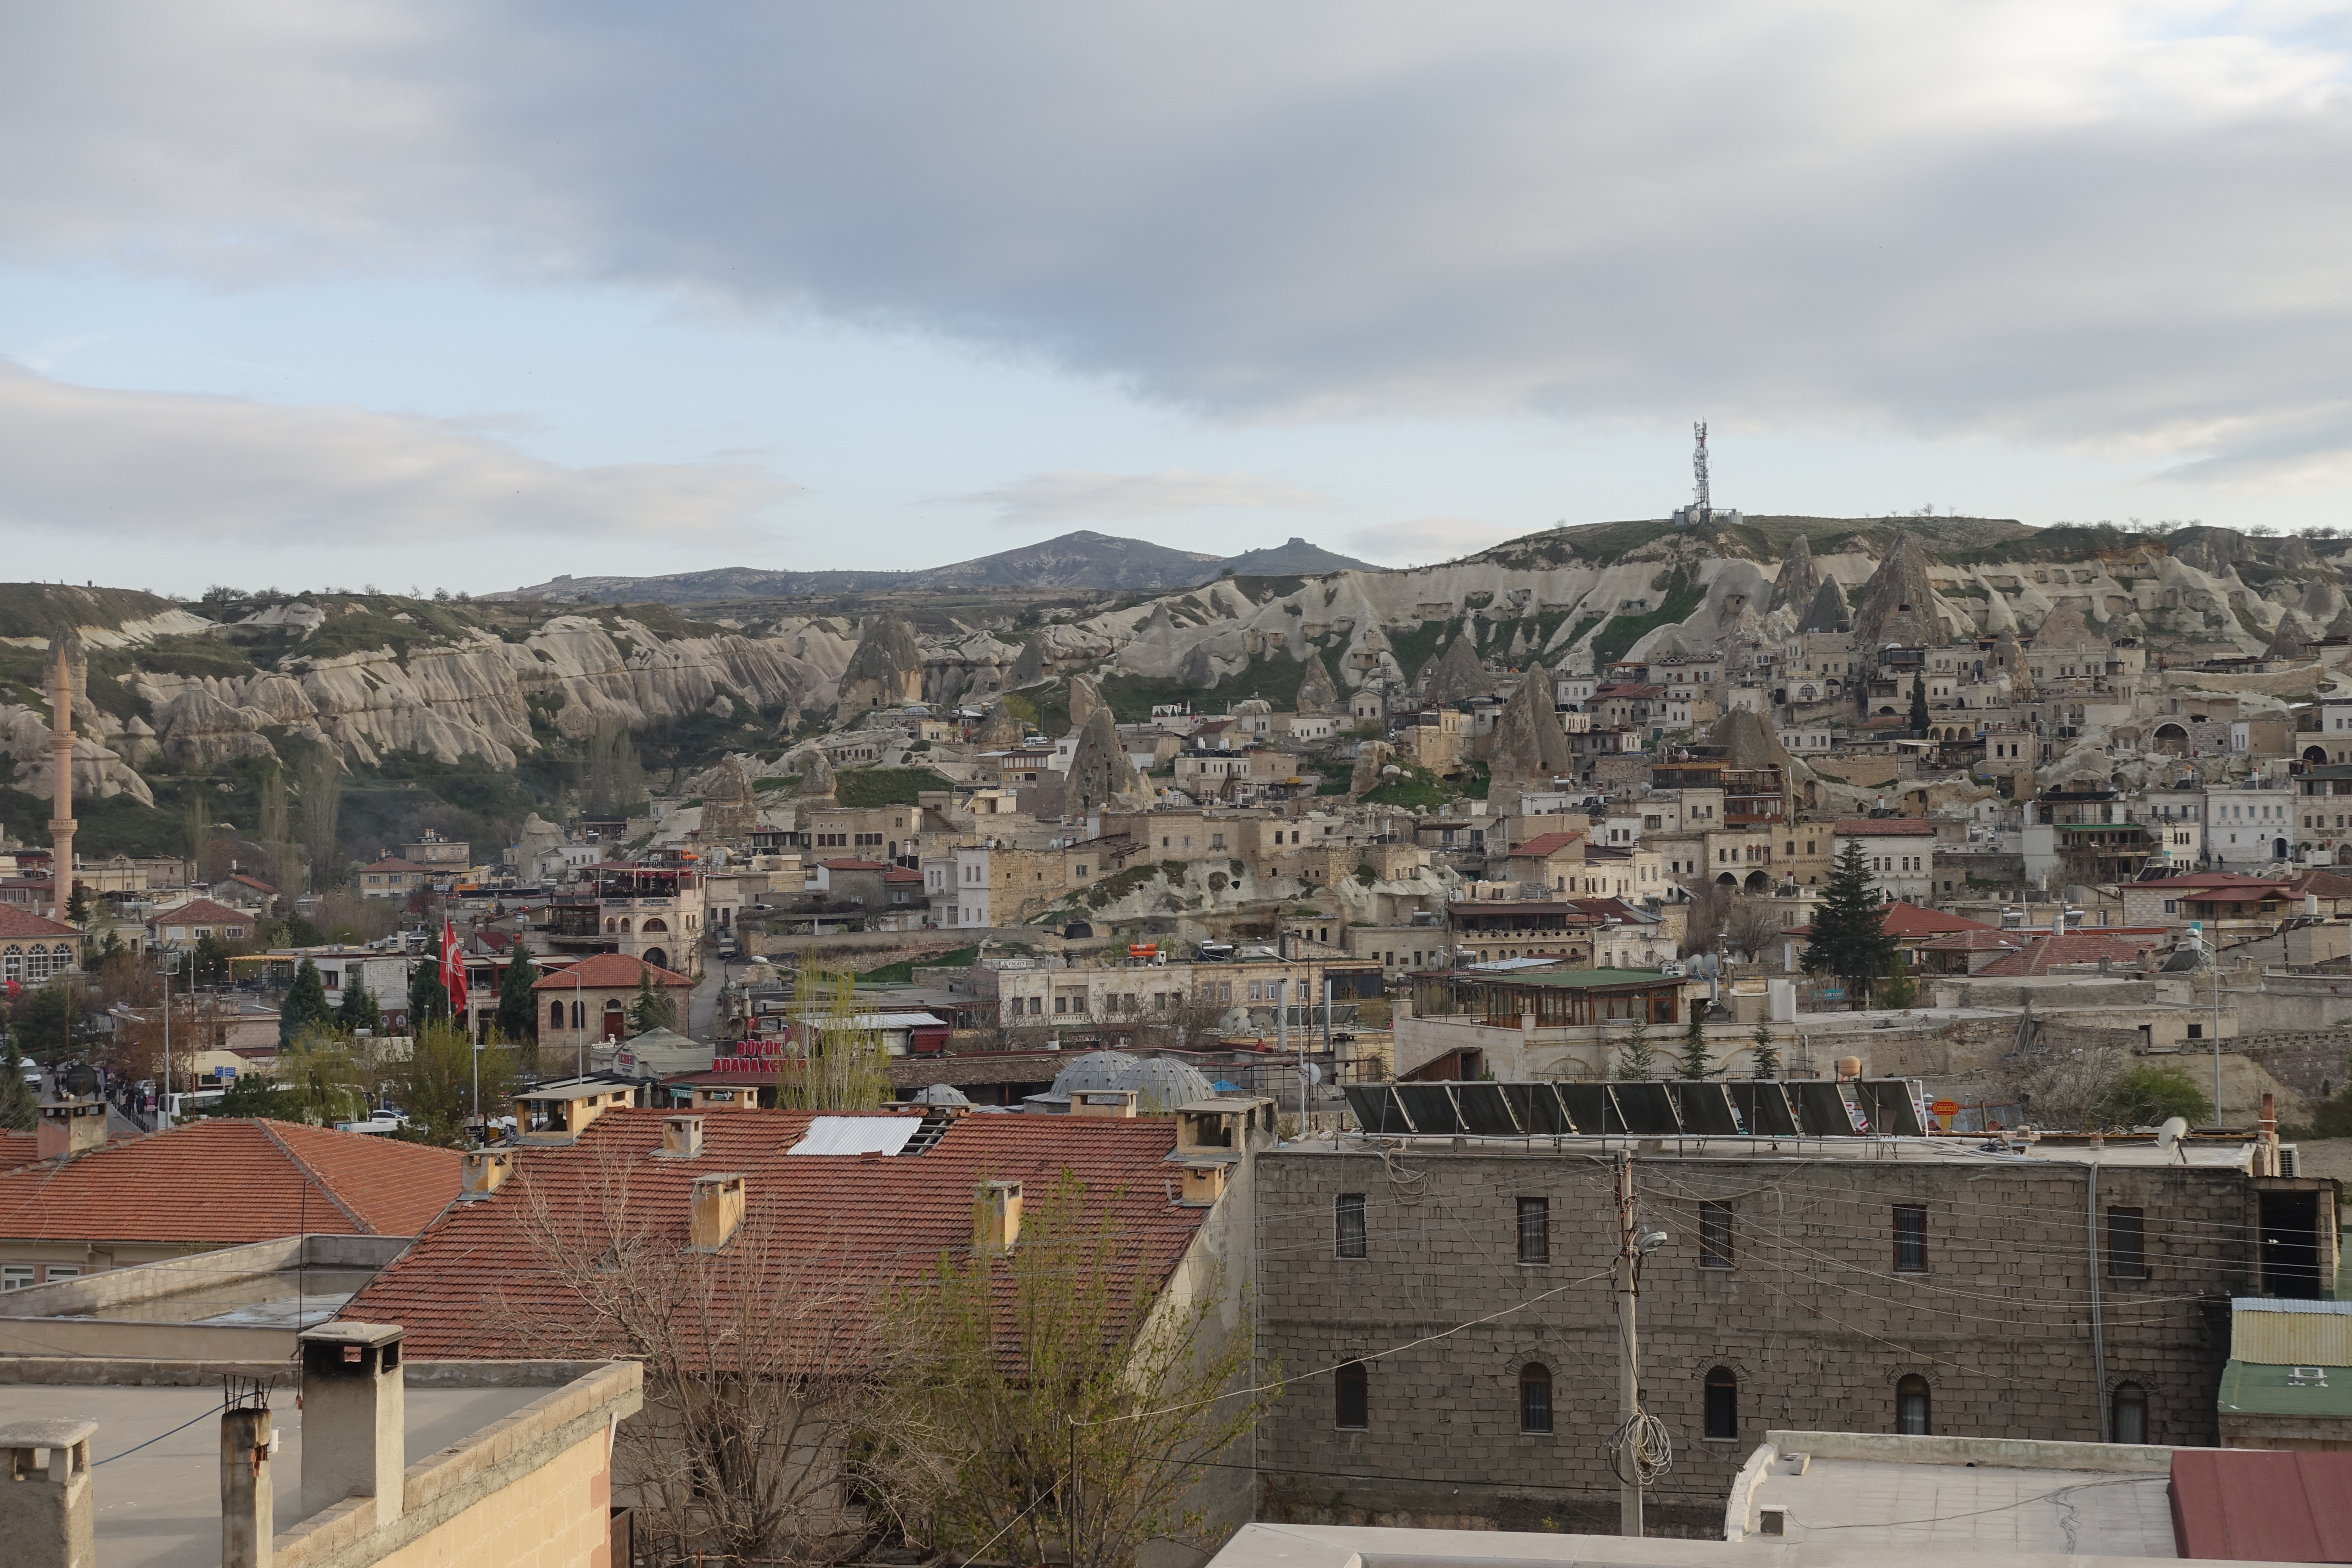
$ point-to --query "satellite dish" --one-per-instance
(2168, 1136)
(79, 1080)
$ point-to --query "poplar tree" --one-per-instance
(1919, 704)
(1764, 1061)
(1697, 1063)
(518, 1016)
(1850, 938)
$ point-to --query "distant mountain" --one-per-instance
(1080, 560)
(1296, 559)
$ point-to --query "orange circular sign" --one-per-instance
(1944, 1107)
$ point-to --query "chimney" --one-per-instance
(45, 1511)
(995, 1218)
(354, 1410)
(718, 1211)
(1204, 1184)
(71, 1127)
(682, 1138)
(483, 1172)
(1118, 1102)
(249, 1497)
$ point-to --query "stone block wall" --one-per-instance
(1811, 1320)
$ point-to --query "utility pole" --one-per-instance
(1629, 1364)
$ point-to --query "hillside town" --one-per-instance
(2015, 952)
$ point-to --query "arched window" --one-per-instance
(1722, 1403)
(2130, 1413)
(62, 957)
(579, 1016)
(653, 922)
(555, 1015)
(1534, 1397)
(1914, 1410)
(12, 962)
(37, 962)
(1352, 1396)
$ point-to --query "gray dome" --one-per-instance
(942, 1094)
(1159, 1085)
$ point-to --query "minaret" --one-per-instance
(63, 646)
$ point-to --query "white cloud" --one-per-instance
(2101, 224)
(1419, 541)
(1070, 498)
(128, 465)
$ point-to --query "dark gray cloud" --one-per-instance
(2117, 226)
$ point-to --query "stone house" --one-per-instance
(391, 877)
(1834, 1290)
(1899, 851)
(588, 1002)
(189, 924)
(34, 947)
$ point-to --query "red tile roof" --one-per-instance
(1546, 844)
(395, 863)
(1983, 939)
(902, 873)
(2213, 879)
(609, 970)
(471, 1288)
(2047, 952)
(852, 865)
(1884, 827)
(1913, 920)
(201, 911)
(256, 883)
(19, 923)
(18, 1149)
(226, 1180)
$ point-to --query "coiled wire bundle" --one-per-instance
(1640, 1450)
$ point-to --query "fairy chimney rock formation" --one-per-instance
(1086, 699)
(1528, 747)
(886, 671)
(1827, 612)
(1800, 579)
(1099, 772)
(1455, 675)
(1000, 731)
(1318, 692)
(1898, 605)
(731, 806)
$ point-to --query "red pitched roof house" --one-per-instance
(34, 947)
(220, 1182)
(477, 1285)
(2045, 954)
(197, 919)
(588, 1002)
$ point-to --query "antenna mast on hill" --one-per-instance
(1702, 504)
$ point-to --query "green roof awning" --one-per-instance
(2252, 1388)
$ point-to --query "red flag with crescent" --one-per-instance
(453, 969)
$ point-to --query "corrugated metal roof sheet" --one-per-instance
(2250, 1388)
(856, 1135)
(2290, 1333)
(2258, 1505)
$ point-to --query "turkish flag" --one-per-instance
(453, 969)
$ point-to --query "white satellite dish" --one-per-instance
(2168, 1136)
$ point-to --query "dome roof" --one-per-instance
(1159, 1085)
(942, 1094)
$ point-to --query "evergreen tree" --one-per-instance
(305, 1008)
(77, 907)
(1850, 938)
(19, 1106)
(518, 1018)
(1697, 1064)
(44, 1022)
(428, 1003)
(651, 1010)
(1900, 989)
(1764, 1061)
(359, 1009)
(1636, 1058)
(1919, 704)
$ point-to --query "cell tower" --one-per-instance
(1702, 504)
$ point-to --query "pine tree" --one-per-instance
(77, 907)
(1850, 938)
(19, 1106)
(305, 1008)
(1919, 704)
(1899, 989)
(359, 1009)
(1764, 1061)
(651, 1010)
(517, 1017)
(1697, 1064)
(1636, 1058)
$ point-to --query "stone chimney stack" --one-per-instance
(482, 1172)
(995, 1218)
(354, 1413)
(71, 1127)
(45, 1511)
(718, 1211)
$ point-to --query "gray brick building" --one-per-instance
(1863, 1286)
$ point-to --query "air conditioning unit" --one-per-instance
(1673, 968)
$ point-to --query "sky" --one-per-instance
(469, 295)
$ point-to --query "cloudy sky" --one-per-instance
(468, 295)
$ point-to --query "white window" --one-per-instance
(57, 1271)
(15, 1276)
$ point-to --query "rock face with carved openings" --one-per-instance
(1000, 731)
(1827, 613)
(1086, 697)
(1100, 774)
(1370, 758)
(886, 671)
(731, 806)
(1528, 748)
(1898, 605)
(1455, 675)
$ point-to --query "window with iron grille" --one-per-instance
(1347, 1217)
(1535, 1230)
(1910, 1239)
(1534, 1397)
(2128, 1243)
(1714, 1236)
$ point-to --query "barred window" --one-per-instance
(1910, 1239)
(1714, 1236)
(1347, 1217)
(1535, 1230)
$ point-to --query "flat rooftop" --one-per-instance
(159, 1507)
(1979, 1507)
